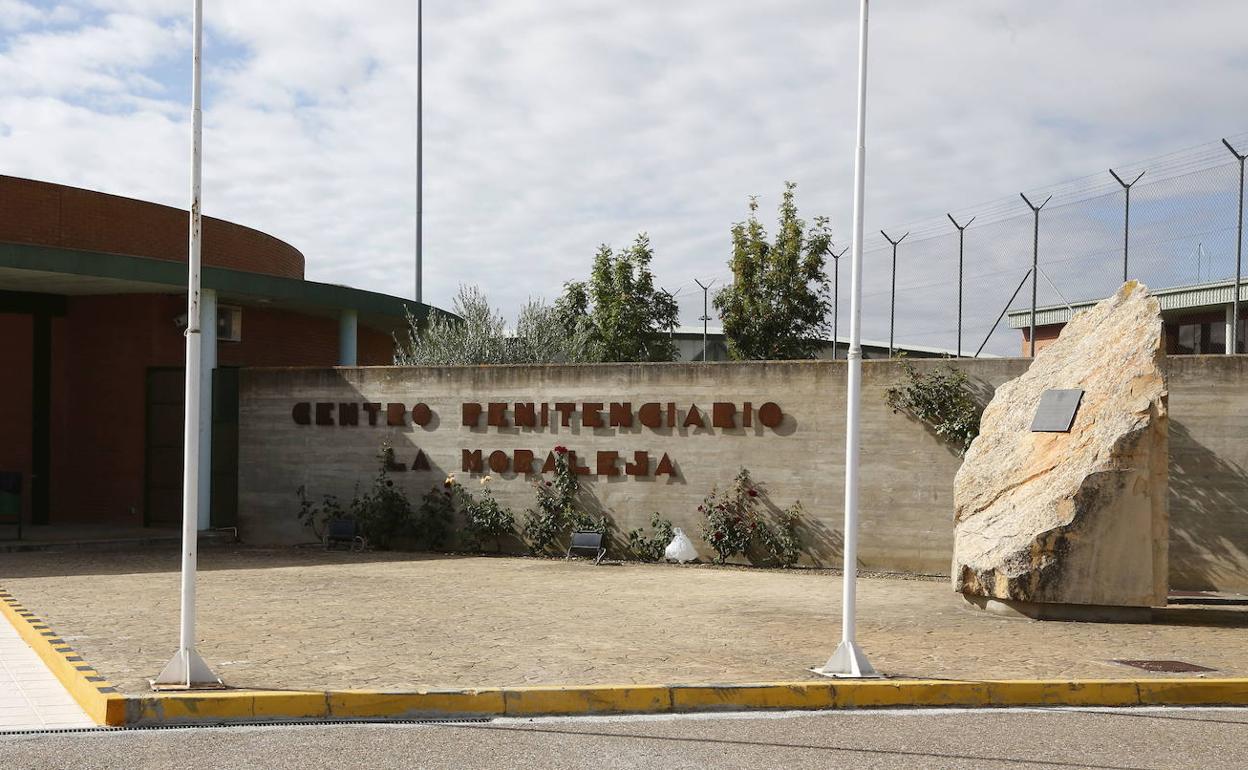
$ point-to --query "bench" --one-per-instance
(588, 544)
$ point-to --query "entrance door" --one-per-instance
(224, 447)
(166, 396)
(163, 477)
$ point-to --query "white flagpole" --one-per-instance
(420, 152)
(849, 660)
(187, 669)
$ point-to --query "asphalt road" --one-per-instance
(1020, 738)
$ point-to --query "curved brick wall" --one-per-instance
(55, 215)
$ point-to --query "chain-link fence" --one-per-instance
(1185, 227)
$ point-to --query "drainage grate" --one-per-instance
(450, 722)
(1166, 666)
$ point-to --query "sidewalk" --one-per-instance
(307, 620)
(31, 698)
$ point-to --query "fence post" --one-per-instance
(892, 302)
(961, 243)
(836, 293)
(706, 316)
(1126, 220)
(1239, 253)
(1035, 263)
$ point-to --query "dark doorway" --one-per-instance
(225, 447)
(166, 397)
(41, 420)
(42, 309)
(162, 494)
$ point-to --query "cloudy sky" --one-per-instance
(555, 125)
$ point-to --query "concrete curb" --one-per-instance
(108, 707)
(92, 692)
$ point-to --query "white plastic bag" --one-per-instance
(681, 548)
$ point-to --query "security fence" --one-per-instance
(946, 283)
(1185, 227)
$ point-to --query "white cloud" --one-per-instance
(553, 126)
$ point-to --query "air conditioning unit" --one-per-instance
(229, 323)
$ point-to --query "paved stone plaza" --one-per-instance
(305, 619)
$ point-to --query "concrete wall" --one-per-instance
(907, 474)
(1209, 472)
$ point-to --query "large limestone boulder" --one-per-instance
(1074, 518)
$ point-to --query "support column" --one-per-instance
(348, 335)
(1230, 329)
(208, 362)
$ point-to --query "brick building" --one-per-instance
(92, 314)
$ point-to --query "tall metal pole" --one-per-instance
(1239, 253)
(961, 243)
(187, 669)
(1126, 220)
(706, 314)
(420, 151)
(1035, 264)
(892, 302)
(849, 660)
(836, 295)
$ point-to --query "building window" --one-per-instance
(229, 323)
(1208, 338)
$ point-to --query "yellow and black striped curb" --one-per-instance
(93, 692)
(106, 706)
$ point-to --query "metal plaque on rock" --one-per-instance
(1057, 409)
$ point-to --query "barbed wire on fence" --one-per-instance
(1184, 230)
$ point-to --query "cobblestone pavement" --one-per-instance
(305, 619)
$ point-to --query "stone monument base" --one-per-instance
(1085, 613)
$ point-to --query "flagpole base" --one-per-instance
(187, 671)
(848, 662)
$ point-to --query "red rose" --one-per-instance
(753, 493)
(561, 449)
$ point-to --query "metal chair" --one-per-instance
(588, 544)
(344, 531)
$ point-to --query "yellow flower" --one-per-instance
(485, 480)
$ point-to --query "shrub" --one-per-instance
(651, 548)
(781, 540)
(437, 513)
(314, 516)
(485, 517)
(384, 512)
(557, 512)
(943, 401)
(734, 523)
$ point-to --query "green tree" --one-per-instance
(619, 309)
(777, 304)
(478, 334)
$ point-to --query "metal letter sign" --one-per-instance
(1056, 412)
